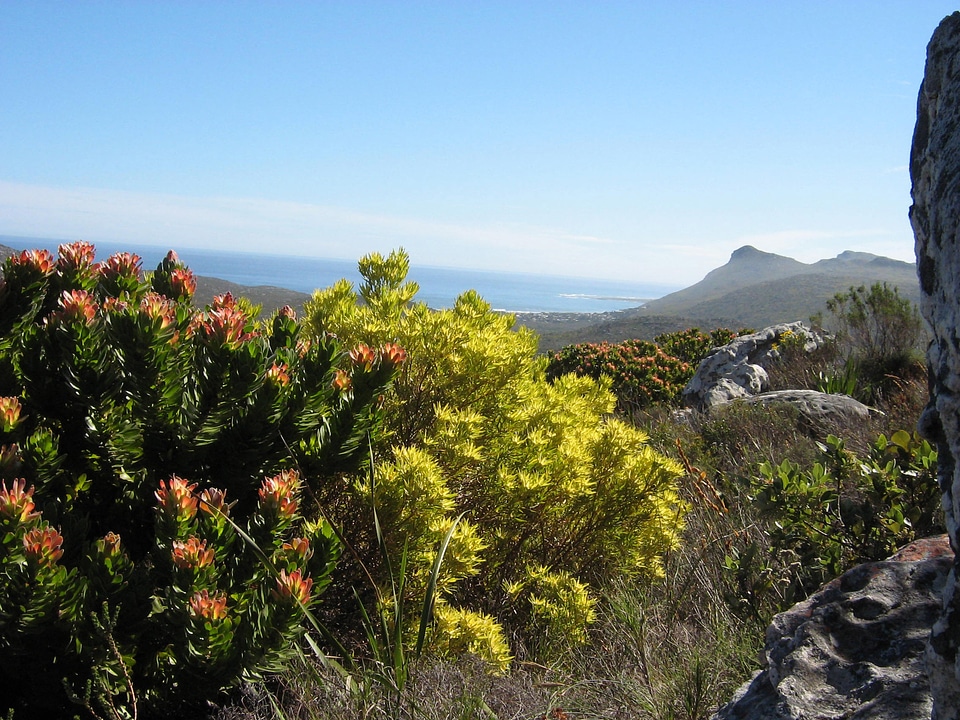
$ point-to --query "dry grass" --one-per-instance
(671, 650)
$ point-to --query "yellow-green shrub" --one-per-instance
(547, 479)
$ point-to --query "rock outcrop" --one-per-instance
(855, 649)
(736, 370)
(822, 410)
(935, 216)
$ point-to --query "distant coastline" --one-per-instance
(520, 293)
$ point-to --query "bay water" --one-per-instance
(439, 287)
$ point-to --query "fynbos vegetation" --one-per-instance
(471, 529)
(142, 439)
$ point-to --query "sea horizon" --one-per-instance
(508, 291)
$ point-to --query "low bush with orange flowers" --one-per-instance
(153, 547)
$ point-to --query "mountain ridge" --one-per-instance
(762, 276)
(754, 289)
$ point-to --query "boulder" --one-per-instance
(855, 649)
(821, 411)
(736, 370)
(935, 217)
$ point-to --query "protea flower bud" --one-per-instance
(42, 545)
(203, 605)
(293, 587)
(9, 413)
(177, 500)
(16, 503)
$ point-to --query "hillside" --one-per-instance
(753, 289)
(759, 288)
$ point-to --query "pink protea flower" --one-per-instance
(209, 607)
(293, 587)
(363, 355)
(40, 260)
(224, 323)
(213, 501)
(394, 354)
(109, 545)
(77, 305)
(42, 545)
(287, 312)
(75, 256)
(16, 503)
(192, 554)
(9, 413)
(157, 307)
(177, 499)
(300, 546)
(342, 381)
(183, 282)
(120, 265)
(279, 493)
(278, 374)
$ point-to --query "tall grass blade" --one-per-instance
(429, 597)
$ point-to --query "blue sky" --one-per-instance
(639, 140)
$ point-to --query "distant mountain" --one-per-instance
(758, 288)
(753, 289)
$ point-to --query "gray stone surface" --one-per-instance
(736, 370)
(820, 410)
(854, 650)
(935, 216)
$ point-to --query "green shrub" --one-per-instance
(642, 373)
(691, 346)
(139, 437)
(840, 511)
(549, 483)
(881, 333)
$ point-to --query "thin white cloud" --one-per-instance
(279, 227)
(255, 224)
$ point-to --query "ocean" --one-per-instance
(439, 287)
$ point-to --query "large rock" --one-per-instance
(829, 412)
(736, 370)
(855, 649)
(935, 216)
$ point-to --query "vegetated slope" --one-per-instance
(753, 290)
(559, 329)
(268, 297)
(759, 288)
(747, 266)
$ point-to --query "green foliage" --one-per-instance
(121, 581)
(558, 609)
(692, 345)
(841, 382)
(545, 478)
(642, 373)
(840, 511)
(881, 332)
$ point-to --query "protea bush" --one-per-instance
(642, 373)
(153, 464)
